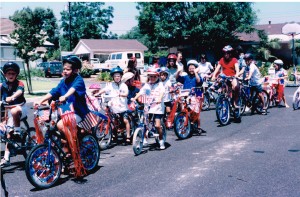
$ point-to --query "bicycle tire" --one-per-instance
(28, 141)
(104, 139)
(206, 102)
(259, 103)
(138, 140)
(181, 131)
(39, 172)
(296, 100)
(89, 152)
(223, 110)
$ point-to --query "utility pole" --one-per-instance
(69, 25)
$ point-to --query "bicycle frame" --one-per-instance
(24, 137)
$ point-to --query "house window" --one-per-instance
(7, 53)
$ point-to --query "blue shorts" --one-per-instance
(155, 116)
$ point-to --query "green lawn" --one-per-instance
(39, 87)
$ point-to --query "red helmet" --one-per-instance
(152, 71)
(172, 56)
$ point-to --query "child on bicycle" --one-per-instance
(128, 79)
(71, 89)
(164, 78)
(154, 91)
(191, 80)
(12, 92)
(254, 76)
(119, 90)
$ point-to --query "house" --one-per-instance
(7, 50)
(96, 48)
(273, 31)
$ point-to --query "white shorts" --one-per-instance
(10, 121)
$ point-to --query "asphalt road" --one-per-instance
(258, 157)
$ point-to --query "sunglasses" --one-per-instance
(152, 76)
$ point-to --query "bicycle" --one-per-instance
(274, 89)
(186, 121)
(17, 144)
(253, 101)
(210, 94)
(225, 105)
(44, 163)
(146, 128)
(296, 99)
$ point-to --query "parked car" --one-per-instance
(121, 59)
(51, 68)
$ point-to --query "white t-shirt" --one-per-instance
(205, 69)
(179, 65)
(152, 94)
(255, 78)
(167, 84)
(117, 104)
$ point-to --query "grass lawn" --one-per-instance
(39, 87)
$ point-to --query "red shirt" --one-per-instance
(228, 68)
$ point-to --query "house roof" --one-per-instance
(7, 26)
(270, 29)
(111, 45)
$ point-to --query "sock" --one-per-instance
(6, 155)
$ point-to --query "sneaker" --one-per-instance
(264, 112)
(145, 143)
(247, 109)
(161, 145)
(4, 163)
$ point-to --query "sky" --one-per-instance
(125, 12)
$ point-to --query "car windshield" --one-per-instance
(56, 64)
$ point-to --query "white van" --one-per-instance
(121, 59)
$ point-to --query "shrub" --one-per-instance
(85, 72)
(104, 76)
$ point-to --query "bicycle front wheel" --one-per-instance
(138, 140)
(206, 102)
(43, 168)
(261, 104)
(89, 152)
(223, 110)
(296, 100)
(182, 126)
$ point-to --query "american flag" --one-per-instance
(66, 108)
(90, 121)
(44, 115)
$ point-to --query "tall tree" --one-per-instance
(88, 20)
(263, 50)
(33, 27)
(201, 24)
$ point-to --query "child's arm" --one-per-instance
(69, 93)
(14, 96)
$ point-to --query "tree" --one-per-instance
(88, 20)
(33, 27)
(263, 50)
(208, 25)
(135, 33)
